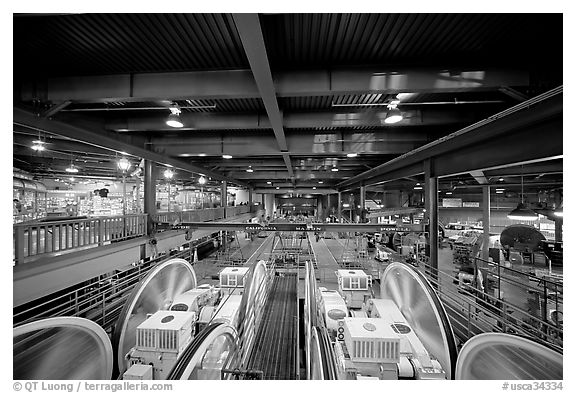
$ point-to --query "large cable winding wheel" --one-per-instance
(61, 348)
(491, 356)
(212, 350)
(155, 292)
(420, 305)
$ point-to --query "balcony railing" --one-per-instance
(36, 238)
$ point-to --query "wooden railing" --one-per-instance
(43, 237)
(36, 238)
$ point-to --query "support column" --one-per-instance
(224, 197)
(319, 207)
(149, 191)
(269, 205)
(558, 221)
(250, 196)
(339, 207)
(431, 216)
(361, 211)
(486, 222)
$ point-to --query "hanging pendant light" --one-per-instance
(72, 168)
(393, 116)
(521, 212)
(173, 119)
(124, 164)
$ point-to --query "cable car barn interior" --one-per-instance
(287, 196)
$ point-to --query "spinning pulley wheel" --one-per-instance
(155, 292)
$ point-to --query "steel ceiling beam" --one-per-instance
(479, 177)
(337, 119)
(295, 190)
(250, 32)
(229, 84)
(308, 144)
(504, 139)
(108, 140)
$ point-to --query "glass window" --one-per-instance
(346, 283)
(355, 283)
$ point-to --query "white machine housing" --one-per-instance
(232, 279)
(195, 299)
(354, 286)
(334, 309)
(424, 366)
(160, 340)
(369, 349)
(227, 311)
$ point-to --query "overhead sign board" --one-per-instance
(303, 227)
(452, 202)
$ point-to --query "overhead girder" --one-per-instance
(479, 177)
(298, 175)
(295, 190)
(336, 119)
(505, 139)
(309, 144)
(250, 32)
(230, 84)
(106, 139)
(63, 146)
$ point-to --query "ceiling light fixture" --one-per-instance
(72, 169)
(168, 174)
(226, 156)
(313, 188)
(352, 155)
(521, 212)
(38, 145)
(201, 180)
(320, 182)
(448, 192)
(393, 116)
(268, 182)
(334, 169)
(124, 164)
(277, 188)
(173, 119)
(501, 179)
(250, 170)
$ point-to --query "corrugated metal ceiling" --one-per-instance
(86, 44)
(331, 40)
(236, 105)
(376, 100)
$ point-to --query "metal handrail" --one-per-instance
(494, 307)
